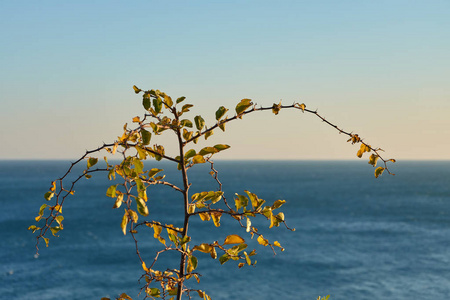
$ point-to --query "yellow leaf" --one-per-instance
(216, 218)
(277, 244)
(198, 159)
(301, 106)
(204, 216)
(144, 266)
(205, 248)
(233, 239)
(373, 160)
(263, 241)
(136, 89)
(124, 223)
(53, 188)
(136, 120)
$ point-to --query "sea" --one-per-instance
(356, 236)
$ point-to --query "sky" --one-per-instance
(377, 68)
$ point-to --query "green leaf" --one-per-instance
(221, 147)
(146, 136)
(208, 134)
(221, 112)
(208, 150)
(154, 292)
(146, 101)
(91, 161)
(55, 230)
(189, 154)
(186, 123)
(199, 122)
(373, 160)
(111, 191)
(243, 105)
(224, 258)
(157, 104)
(49, 195)
(378, 171)
(153, 172)
(181, 99)
(186, 107)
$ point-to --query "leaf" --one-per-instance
(378, 171)
(144, 267)
(181, 99)
(124, 223)
(142, 207)
(199, 122)
(208, 150)
(221, 147)
(233, 239)
(249, 224)
(111, 191)
(204, 216)
(118, 201)
(373, 160)
(48, 196)
(224, 258)
(153, 172)
(278, 204)
(168, 101)
(301, 106)
(208, 134)
(221, 112)
(276, 108)
(53, 188)
(146, 136)
(157, 104)
(205, 248)
(136, 89)
(55, 230)
(262, 241)
(277, 244)
(91, 161)
(243, 105)
(198, 159)
(189, 154)
(146, 101)
(186, 123)
(216, 218)
(136, 120)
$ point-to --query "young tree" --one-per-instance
(163, 115)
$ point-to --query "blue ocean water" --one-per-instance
(356, 237)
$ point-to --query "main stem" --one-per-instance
(186, 213)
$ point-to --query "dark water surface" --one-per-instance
(356, 237)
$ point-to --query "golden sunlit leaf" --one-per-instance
(216, 218)
(205, 248)
(136, 120)
(233, 239)
(136, 89)
(204, 216)
(262, 241)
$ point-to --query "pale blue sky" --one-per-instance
(378, 68)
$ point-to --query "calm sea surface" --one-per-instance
(356, 237)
